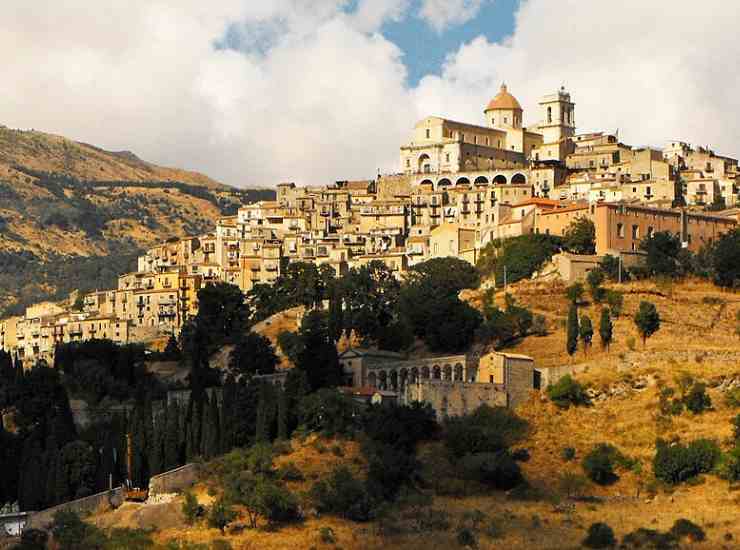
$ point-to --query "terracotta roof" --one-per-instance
(503, 100)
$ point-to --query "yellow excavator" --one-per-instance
(131, 493)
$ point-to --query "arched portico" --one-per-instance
(481, 180)
(500, 179)
(518, 178)
(462, 181)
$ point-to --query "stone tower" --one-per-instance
(558, 117)
(504, 112)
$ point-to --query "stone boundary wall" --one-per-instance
(42, 520)
(173, 481)
(455, 398)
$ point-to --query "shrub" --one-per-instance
(599, 464)
(466, 538)
(677, 463)
(498, 470)
(566, 392)
(697, 400)
(732, 397)
(600, 535)
(574, 292)
(615, 300)
(649, 538)
(329, 411)
(568, 453)
(220, 544)
(343, 495)
(290, 472)
(487, 429)
(730, 467)
(190, 508)
(71, 533)
(539, 325)
(326, 535)
(683, 528)
(220, 515)
(33, 539)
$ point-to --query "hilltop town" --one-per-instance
(460, 187)
(402, 360)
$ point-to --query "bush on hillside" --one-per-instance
(677, 463)
(485, 430)
(697, 400)
(599, 464)
(566, 392)
(684, 528)
(600, 535)
(498, 470)
(343, 495)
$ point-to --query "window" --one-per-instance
(506, 120)
(452, 245)
(650, 231)
(635, 231)
(549, 114)
(428, 133)
(408, 163)
(447, 157)
(493, 121)
(620, 230)
(462, 137)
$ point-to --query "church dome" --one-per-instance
(503, 100)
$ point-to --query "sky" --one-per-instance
(314, 91)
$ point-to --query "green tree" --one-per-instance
(586, 332)
(606, 328)
(172, 436)
(575, 292)
(222, 311)
(252, 354)
(519, 257)
(726, 260)
(662, 254)
(318, 358)
(580, 236)
(595, 278)
(572, 328)
(647, 320)
(220, 515)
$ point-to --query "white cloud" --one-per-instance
(316, 94)
(441, 14)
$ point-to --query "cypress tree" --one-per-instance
(213, 441)
(262, 429)
(242, 422)
(227, 414)
(296, 388)
(172, 437)
(61, 481)
(32, 483)
(156, 445)
(586, 332)
(606, 328)
(335, 312)
(282, 415)
(572, 342)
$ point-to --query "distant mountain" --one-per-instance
(61, 199)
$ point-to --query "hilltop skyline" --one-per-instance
(255, 95)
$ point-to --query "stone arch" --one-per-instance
(462, 181)
(425, 163)
(459, 373)
(444, 182)
(372, 380)
(447, 372)
(414, 374)
(427, 182)
(518, 178)
(394, 380)
(383, 380)
(481, 180)
(436, 372)
(424, 372)
(500, 179)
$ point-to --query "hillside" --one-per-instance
(60, 199)
(697, 339)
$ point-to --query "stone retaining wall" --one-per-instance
(173, 481)
(85, 505)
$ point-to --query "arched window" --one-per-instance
(549, 114)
